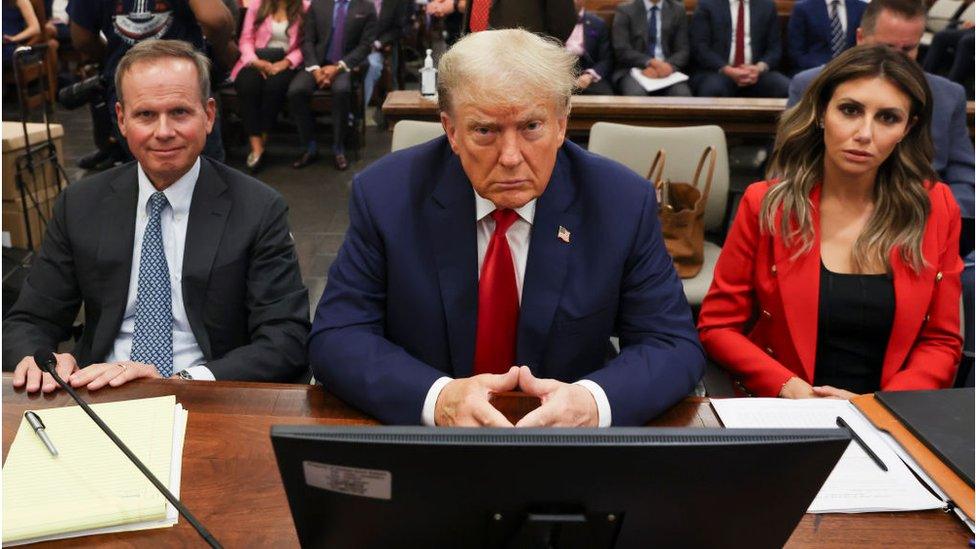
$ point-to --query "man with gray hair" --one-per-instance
(502, 257)
(185, 266)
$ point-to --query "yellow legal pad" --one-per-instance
(90, 484)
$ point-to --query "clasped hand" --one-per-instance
(465, 402)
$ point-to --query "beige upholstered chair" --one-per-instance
(634, 147)
(408, 133)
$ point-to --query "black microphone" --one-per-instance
(46, 361)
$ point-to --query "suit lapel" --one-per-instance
(449, 215)
(799, 279)
(209, 210)
(545, 269)
(912, 295)
(754, 29)
(114, 257)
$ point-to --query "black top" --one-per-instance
(854, 322)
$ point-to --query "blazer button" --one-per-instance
(927, 317)
(938, 276)
(773, 269)
(766, 314)
(769, 351)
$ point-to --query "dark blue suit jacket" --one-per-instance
(400, 307)
(711, 33)
(808, 39)
(953, 158)
(596, 41)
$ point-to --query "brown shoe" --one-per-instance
(305, 159)
(341, 163)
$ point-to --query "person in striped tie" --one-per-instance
(819, 30)
(502, 256)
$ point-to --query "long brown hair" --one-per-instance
(901, 200)
(268, 8)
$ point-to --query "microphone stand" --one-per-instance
(204, 533)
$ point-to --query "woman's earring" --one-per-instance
(820, 124)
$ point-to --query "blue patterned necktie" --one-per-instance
(152, 339)
(338, 33)
(837, 38)
(652, 32)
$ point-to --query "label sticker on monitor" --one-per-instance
(367, 483)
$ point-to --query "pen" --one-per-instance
(35, 422)
(843, 424)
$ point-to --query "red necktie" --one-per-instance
(498, 302)
(740, 35)
(479, 15)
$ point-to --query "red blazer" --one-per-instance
(759, 318)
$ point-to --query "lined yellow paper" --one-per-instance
(91, 483)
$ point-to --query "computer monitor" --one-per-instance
(621, 487)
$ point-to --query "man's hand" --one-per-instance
(464, 402)
(113, 374)
(663, 68)
(827, 391)
(584, 81)
(440, 8)
(740, 75)
(796, 388)
(30, 374)
(324, 75)
(563, 404)
(650, 72)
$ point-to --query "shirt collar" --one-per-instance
(179, 194)
(483, 208)
(648, 4)
(829, 2)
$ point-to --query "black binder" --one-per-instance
(943, 420)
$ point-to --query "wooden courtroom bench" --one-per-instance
(737, 116)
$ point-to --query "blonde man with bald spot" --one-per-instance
(502, 257)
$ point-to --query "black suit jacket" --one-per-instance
(552, 17)
(360, 32)
(630, 36)
(711, 33)
(596, 44)
(391, 21)
(242, 289)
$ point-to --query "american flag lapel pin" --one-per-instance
(563, 234)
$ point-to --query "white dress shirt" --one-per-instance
(518, 236)
(734, 7)
(841, 14)
(173, 220)
(658, 51)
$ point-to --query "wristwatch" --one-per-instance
(185, 375)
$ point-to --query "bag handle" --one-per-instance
(660, 185)
(711, 154)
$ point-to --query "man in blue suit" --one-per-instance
(900, 24)
(812, 39)
(501, 244)
(590, 43)
(734, 59)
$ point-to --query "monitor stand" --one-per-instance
(549, 528)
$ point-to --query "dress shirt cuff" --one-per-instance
(313, 68)
(763, 67)
(602, 404)
(377, 45)
(430, 403)
(596, 76)
(201, 372)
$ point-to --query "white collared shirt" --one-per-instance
(734, 7)
(658, 51)
(518, 236)
(173, 222)
(841, 14)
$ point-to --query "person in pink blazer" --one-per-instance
(270, 57)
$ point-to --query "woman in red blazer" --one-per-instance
(841, 274)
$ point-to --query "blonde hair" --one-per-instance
(506, 67)
(154, 50)
(901, 200)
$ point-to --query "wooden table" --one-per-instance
(230, 477)
(737, 116)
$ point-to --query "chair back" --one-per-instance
(969, 14)
(635, 147)
(407, 133)
(941, 14)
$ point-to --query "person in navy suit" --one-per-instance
(632, 44)
(590, 43)
(809, 39)
(502, 256)
(733, 63)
